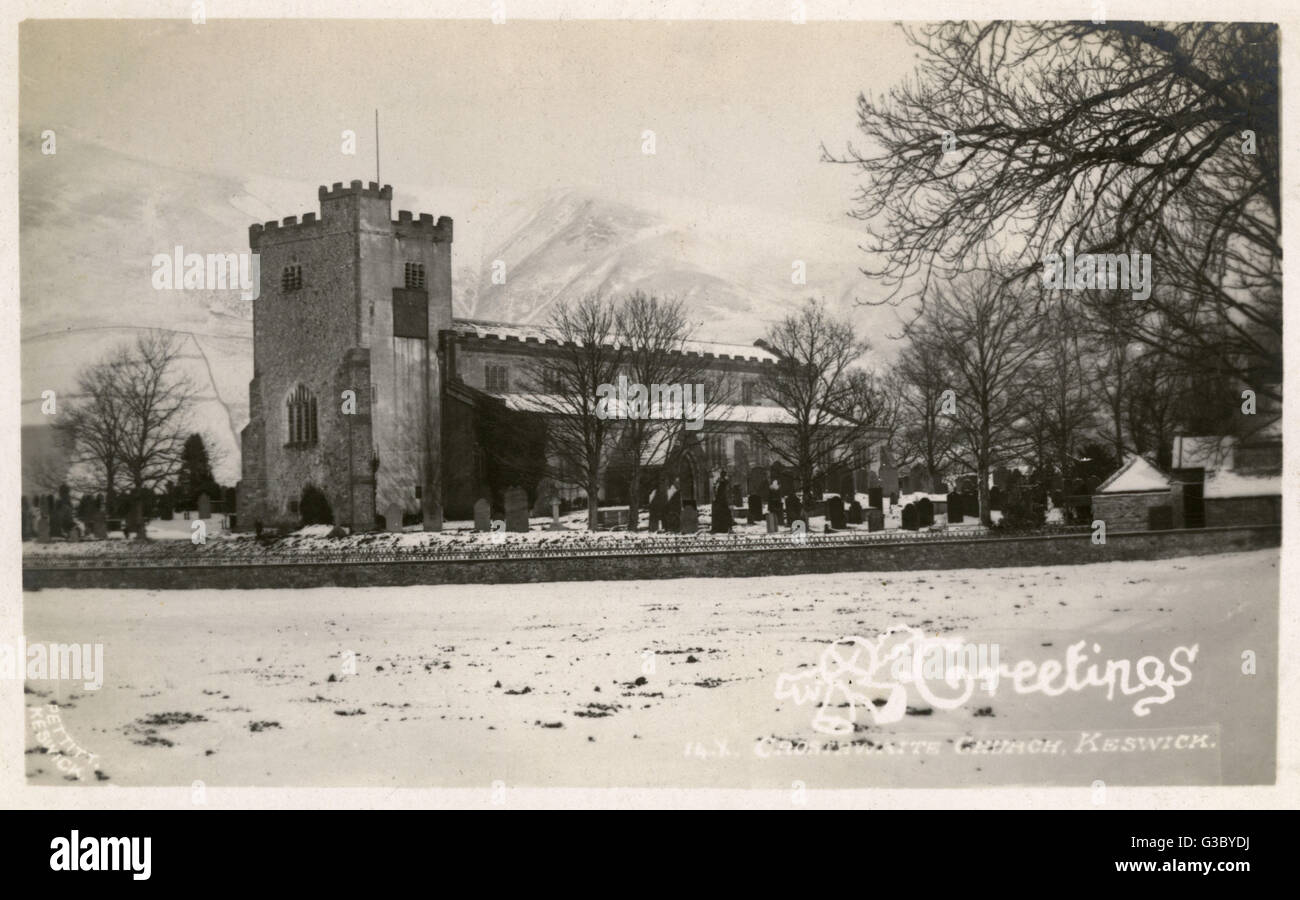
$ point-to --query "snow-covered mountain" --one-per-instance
(92, 220)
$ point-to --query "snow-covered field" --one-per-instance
(541, 684)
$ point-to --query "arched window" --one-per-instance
(302, 416)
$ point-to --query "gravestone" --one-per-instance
(755, 508)
(793, 510)
(133, 516)
(875, 519)
(855, 512)
(835, 513)
(516, 509)
(924, 512)
(954, 509)
(656, 506)
(672, 520)
(392, 518)
(690, 519)
(546, 492)
(776, 507)
(74, 534)
(889, 480)
(555, 515)
(99, 524)
(905, 483)
(482, 515)
(772, 523)
(205, 506)
(42, 528)
(720, 522)
(874, 497)
(893, 499)
(910, 517)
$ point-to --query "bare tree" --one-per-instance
(156, 399)
(1108, 138)
(988, 338)
(655, 335)
(567, 386)
(93, 427)
(127, 424)
(1061, 404)
(812, 382)
(926, 432)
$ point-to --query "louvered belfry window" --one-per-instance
(302, 416)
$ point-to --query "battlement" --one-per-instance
(338, 191)
(407, 225)
(273, 229)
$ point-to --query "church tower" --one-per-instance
(347, 384)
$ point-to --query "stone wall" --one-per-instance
(621, 565)
(1223, 511)
(1127, 512)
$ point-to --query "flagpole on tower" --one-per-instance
(378, 180)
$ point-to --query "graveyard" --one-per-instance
(913, 516)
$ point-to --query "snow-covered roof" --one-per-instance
(745, 415)
(503, 331)
(1231, 484)
(1135, 475)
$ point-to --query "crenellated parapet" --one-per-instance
(355, 189)
(406, 225)
(289, 228)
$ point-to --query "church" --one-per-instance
(367, 388)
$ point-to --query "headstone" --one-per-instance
(776, 507)
(42, 528)
(656, 506)
(672, 520)
(924, 512)
(874, 497)
(134, 519)
(205, 506)
(793, 510)
(911, 519)
(755, 508)
(720, 523)
(516, 509)
(99, 524)
(875, 519)
(392, 518)
(893, 499)
(855, 512)
(905, 485)
(482, 515)
(74, 534)
(889, 480)
(835, 513)
(555, 515)
(546, 492)
(954, 509)
(690, 519)
(772, 523)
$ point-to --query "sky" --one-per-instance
(738, 109)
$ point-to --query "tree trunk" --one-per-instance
(593, 502)
(634, 501)
(986, 514)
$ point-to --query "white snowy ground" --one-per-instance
(535, 685)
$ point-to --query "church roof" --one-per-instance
(505, 331)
